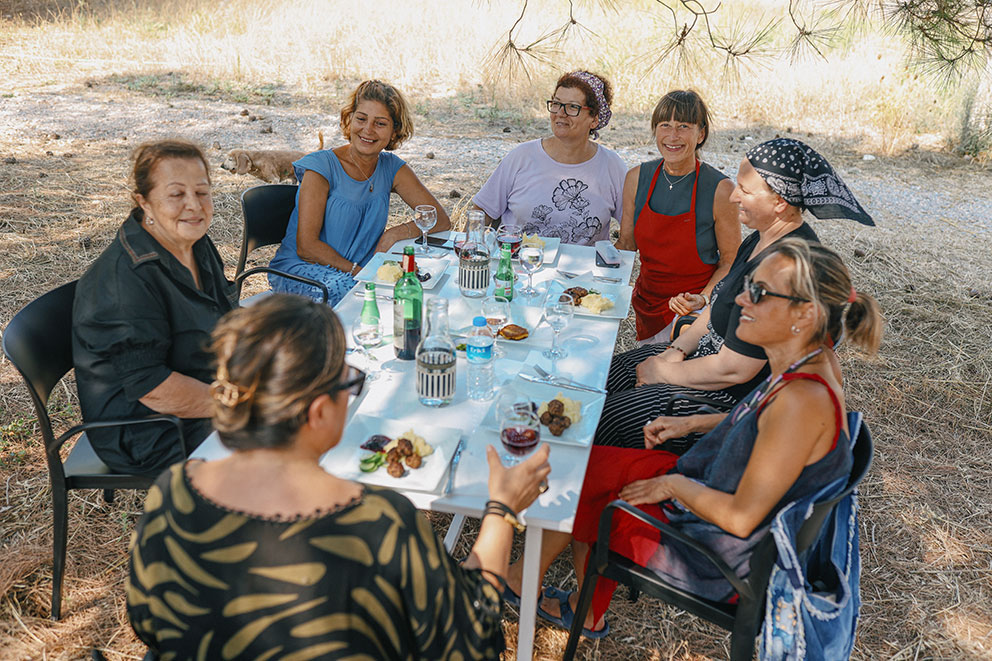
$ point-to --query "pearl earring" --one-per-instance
(795, 329)
(150, 221)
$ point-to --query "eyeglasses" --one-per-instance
(571, 109)
(756, 292)
(354, 382)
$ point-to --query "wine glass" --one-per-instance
(531, 260)
(558, 311)
(519, 425)
(425, 217)
(367, 336)
(512, 234)
(496, 310)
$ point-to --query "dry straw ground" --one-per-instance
(70, 123)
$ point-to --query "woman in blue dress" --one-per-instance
(343, 201)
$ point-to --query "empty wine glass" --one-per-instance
(425, 217)
(558, 311)
(367, 335)
(519, 426)
(496, 310)
(531, 260)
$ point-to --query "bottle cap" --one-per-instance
(479, 321)
(370, 286)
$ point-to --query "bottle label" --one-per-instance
(479, 353)
(504, 288)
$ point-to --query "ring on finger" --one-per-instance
(543, 486)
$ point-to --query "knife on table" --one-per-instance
(562, 383)
(454, 465)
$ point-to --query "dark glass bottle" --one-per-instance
(408, 303)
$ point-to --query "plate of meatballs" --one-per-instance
(392, 453)
(567, 416)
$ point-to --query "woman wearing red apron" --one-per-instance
(686, 229)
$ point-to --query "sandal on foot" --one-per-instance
(510, 597)
(565, 620)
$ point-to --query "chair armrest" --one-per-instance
(601, 552)
(239, 278)
(102, 424)
(715, 405)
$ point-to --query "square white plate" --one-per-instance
(580, 433)
(343, 459)
(618, 293)
(435, 267)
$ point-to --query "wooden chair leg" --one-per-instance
(108, 496)
(59, 536)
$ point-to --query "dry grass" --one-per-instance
(926, 540)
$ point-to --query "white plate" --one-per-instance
(580, 433)
(343, 459)
(435, 267)
(551, 247)
(619, 294)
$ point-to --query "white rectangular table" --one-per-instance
(590, 343)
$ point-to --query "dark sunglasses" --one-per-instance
(354, 382)
(756, 292)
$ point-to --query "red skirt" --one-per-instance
(610, 470)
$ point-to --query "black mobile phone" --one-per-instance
(602, 264)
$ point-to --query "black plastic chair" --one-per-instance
(742, 619)
(38, 342)
(266, 210)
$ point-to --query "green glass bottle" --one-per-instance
(370, 309)
(408, 303)
(504, 277)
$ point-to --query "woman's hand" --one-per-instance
(664, 428)
(686, 303)
(650, 491)
(389, 238)
(519, 486)
(654, 369)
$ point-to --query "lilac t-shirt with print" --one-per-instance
(571, 201)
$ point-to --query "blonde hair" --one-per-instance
(821, 277)
(273, 359)
(387, 95)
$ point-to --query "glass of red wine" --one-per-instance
(520, 427)
(512, 234)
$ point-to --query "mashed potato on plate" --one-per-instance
(390, 271)
(596, 303)
(420, 446)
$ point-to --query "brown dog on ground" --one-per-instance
(270, 165)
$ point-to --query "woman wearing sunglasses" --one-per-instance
(777, 180)
(565, 185)
(265, 554)
(784, 442)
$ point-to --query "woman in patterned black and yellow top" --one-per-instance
(265, 555)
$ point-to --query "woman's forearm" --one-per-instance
(715, 372)
(491, 550)
(181, 396)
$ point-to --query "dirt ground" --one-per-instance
(925, 540)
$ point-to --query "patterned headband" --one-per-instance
(804, 179)
(596, 83)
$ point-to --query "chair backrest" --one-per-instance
(38, 342)
(862, 449)
(266, 210)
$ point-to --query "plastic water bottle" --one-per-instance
(479, 354)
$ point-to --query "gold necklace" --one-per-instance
(368, 177)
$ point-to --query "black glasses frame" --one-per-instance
(354, 382)
(571, 109)
(756, 292)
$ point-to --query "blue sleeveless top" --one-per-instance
(354, 218)
(718, 460)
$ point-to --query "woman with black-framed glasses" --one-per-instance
(565, 185)
(264, 553)
(776, 182)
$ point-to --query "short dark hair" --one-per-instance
(683, 106)
(149, 154)
(273, 359)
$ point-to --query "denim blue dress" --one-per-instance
(354, 219)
